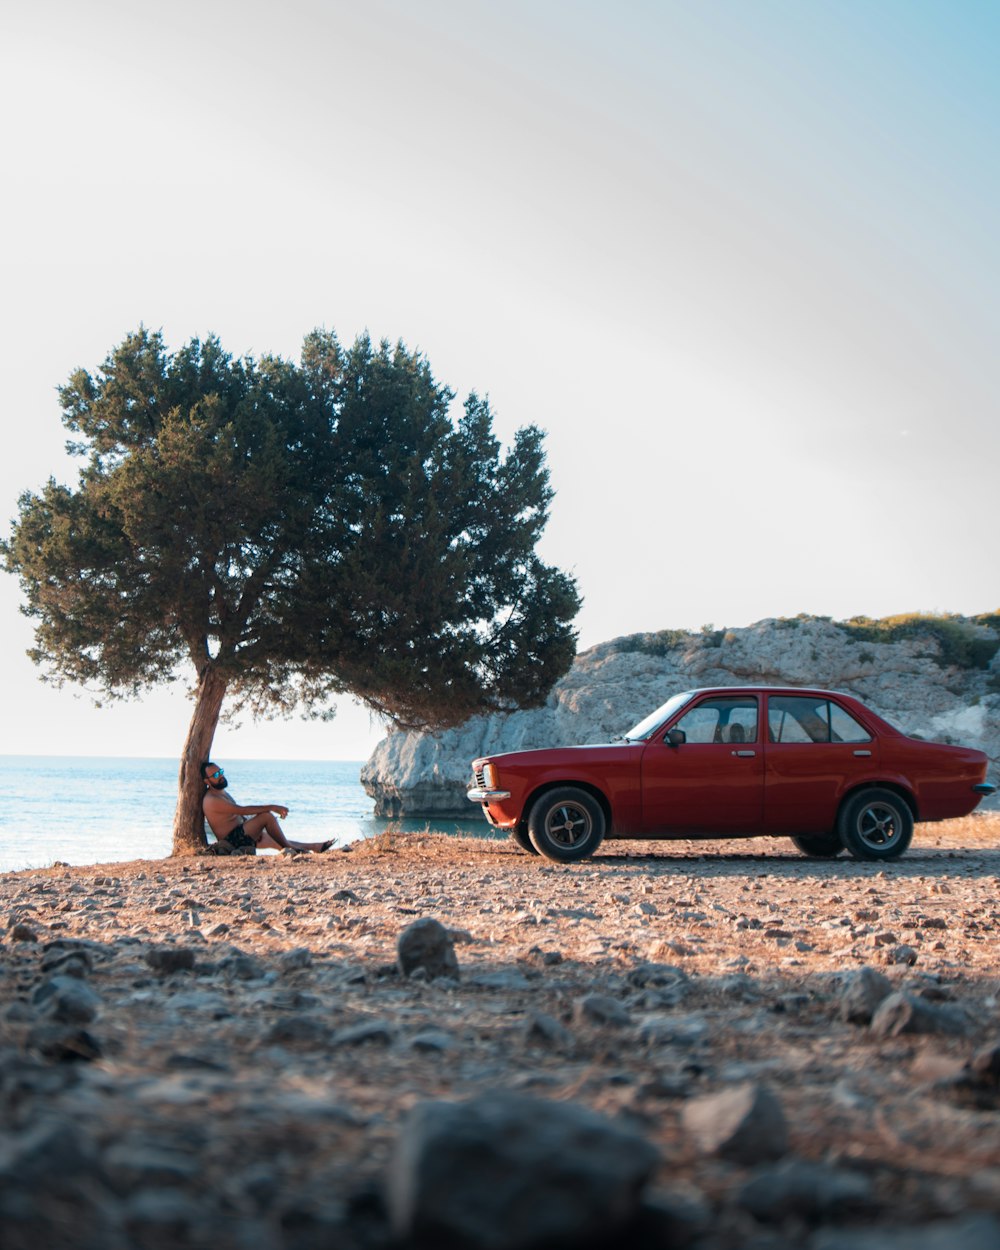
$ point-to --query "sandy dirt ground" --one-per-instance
(223, 1051)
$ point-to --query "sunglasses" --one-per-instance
(216, 775)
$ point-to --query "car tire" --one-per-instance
(875, 824)
(819, 845)
(519, 835)
(566, 824)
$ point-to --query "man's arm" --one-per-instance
(226, 807)
(255, 809)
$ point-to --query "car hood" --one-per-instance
(544, 754)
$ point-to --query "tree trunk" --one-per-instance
(189, 824)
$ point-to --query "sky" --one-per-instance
(739, 260)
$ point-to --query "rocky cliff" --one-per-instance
(934, 677)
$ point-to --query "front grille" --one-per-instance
(480, 779)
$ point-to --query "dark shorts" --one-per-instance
(236, 837)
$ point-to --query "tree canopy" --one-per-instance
(292, 532)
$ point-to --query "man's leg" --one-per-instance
(266, 832)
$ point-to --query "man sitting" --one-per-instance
(253, 825)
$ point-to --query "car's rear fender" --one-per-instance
(881, 783)
(590, 788)
(943, 776)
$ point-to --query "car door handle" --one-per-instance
(745, 753)
(862, 752)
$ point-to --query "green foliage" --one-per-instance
(300, 530)
(658, 643)
(959, 640)
(665, 640)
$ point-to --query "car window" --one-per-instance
(844, 728)
(802, 718)
(729, 719)
(655, 719)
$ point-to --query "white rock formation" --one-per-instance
(913, 683)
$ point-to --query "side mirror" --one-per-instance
(675, 737)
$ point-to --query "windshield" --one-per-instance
(654, 719)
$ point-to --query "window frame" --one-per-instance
(827, 719)
(737, 700)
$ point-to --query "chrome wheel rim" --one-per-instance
(878, 826)
(568, 824)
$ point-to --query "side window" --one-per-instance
(795, 718)
(732, 719)
(844, 728)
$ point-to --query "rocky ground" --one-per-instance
(714, 1046)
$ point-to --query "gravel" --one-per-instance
(241, 1068)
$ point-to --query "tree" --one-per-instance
(293, 532)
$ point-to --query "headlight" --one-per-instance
(490, 781)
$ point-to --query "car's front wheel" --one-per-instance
(566, 824)
(519, 834)
(875, 824)
(819, 845)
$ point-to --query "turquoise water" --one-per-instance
(96, 810)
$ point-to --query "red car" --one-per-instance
(813, 765)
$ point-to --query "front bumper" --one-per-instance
(478, 795)
(492, 802)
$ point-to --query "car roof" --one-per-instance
(863, 709)
(763, 689)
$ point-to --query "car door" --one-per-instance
(815, 751)
(714, 781)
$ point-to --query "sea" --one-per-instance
(101, 810)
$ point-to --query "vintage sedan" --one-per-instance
(813, 765)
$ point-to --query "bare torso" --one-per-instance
(220, 821)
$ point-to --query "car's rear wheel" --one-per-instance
(819, 845)
(875, 824)
(520, 835)
(566, 824)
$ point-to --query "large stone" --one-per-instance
(862, 993)
(67, 999)
(69, 963)
(744, 1123)
(972, 1232)
(508, 1172)
(364, 1031)
(600, 1009)
(674, 1028)
(613, 685)
(647, 974)
(904, 1013)
(47, 1156)
(426, 944)
(984, 1066)
(63, 1043)
(812, 1191)
(168, 959)
(549, 1031)
(298, 1030)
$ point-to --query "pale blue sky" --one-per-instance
(739, 259)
